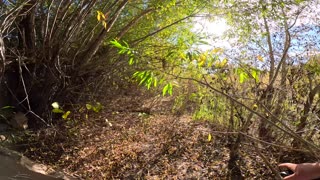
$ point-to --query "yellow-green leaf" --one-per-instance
(104, 24)
(217, 50)
(57, 110)
(103, 16)
(98, 16)
(221, 64)
(165, 89)
(209, 137)
(88, 106)
(65, 115)
(254, 107)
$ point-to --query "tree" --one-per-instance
(56, 49)
(257, 76)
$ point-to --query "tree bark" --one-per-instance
(26, 26)
(306, 109)
(265, 132)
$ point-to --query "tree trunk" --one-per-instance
(26, 28)
(303, 120)
(265, 132)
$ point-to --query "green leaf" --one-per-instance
(116, 44)
(136, 74)
(131, 61)
(170, 89)
(55, 105)
(165, 89)
(255, 74)
(149, 82)
(145, 78)
(57, 110)
(65, 115)
(127, 45)
(7, 107)
(89, 106)
(242, 77)
(155, 82)
(97, 107)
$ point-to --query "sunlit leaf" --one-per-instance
(131, 61)
(242, 77)
(88, 106)
(217, 50)
(97, 108)
(165, 90)
(136, 74)
(55, 105)
(209, 137)
(155, 82)
(103, 16)
(98, 16)
(221, 64)
(66, 114)
(260, 58)
(116, 44)
(255, 74)
(170, 89)
(224, 62)
(254, 107)
(104, 24)
(201, 63)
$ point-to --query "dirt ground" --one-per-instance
(138, 137)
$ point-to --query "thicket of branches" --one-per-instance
(60, 50)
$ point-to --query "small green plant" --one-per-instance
(96, 108)
(58, 110)
(124, 49)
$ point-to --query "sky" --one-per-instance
(214, 31)
(305, 36)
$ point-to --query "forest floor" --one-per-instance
(138, 137)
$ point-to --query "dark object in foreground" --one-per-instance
(286, 173)
(289, 172)
(14, 165)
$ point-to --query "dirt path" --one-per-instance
(131, 141)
